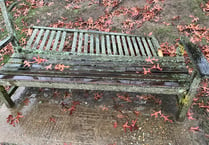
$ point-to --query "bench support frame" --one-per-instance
(6, 97)
(186, 99)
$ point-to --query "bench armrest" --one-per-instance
(198, 59)
(5, 41)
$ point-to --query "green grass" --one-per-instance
(5, 59)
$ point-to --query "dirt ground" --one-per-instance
(46, 122)
(47, 119)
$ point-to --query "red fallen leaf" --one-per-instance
(193, 129)
(61, 67)
(104, 108)
(146, 71)
(51, 119)
(157, 67)
(39, 60)
(27, 63)
(26, 101)
(49, 67)
(175, 18)
(150, 34)
(126, 126)
(49, 14)
(9, 118)
(71, 109)
(67, 144)
(156, 114)
(115, 125)
(189, 115)
(77, 7)
(63, 18)
(133, 122)
(29, 33)
(136, 113)
(207, 135)
(151, 60)
(97, 96)
(166, 118)
(76, 103)
(120, 116)
(38, 21)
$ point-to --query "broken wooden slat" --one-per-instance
(62, 43)
(141, 46)
(120, 50)
(74, 42)
(125, 46)
(97, 44)
(80, 42)
(151, 47)
(30, 41)
(114, 45)
(130, 46)
(135, 46)
(109, 51)
(86, 43)
(103, 44)
(92, 44)
(44, 40)
(48, 46)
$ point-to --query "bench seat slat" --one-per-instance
(52, 82)
(46, 34)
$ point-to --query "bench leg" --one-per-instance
(4, 96)
(186, 101)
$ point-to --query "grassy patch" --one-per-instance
(5, 59)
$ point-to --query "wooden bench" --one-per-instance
(99, 61)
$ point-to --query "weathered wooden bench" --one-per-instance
(99, 61)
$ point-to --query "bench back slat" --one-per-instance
(136, 48)
(75, 36)
(80, 42)
(141, 46)
(55, 44)
(86, 41)
(36, 43)
(62, 42)
(92, 44)
(46, 34)
(130, 46)
(97, 44)
(151, 47)
(49, 44)
(108, 46)
(30, 41)
(114, 47)
(125, 48)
